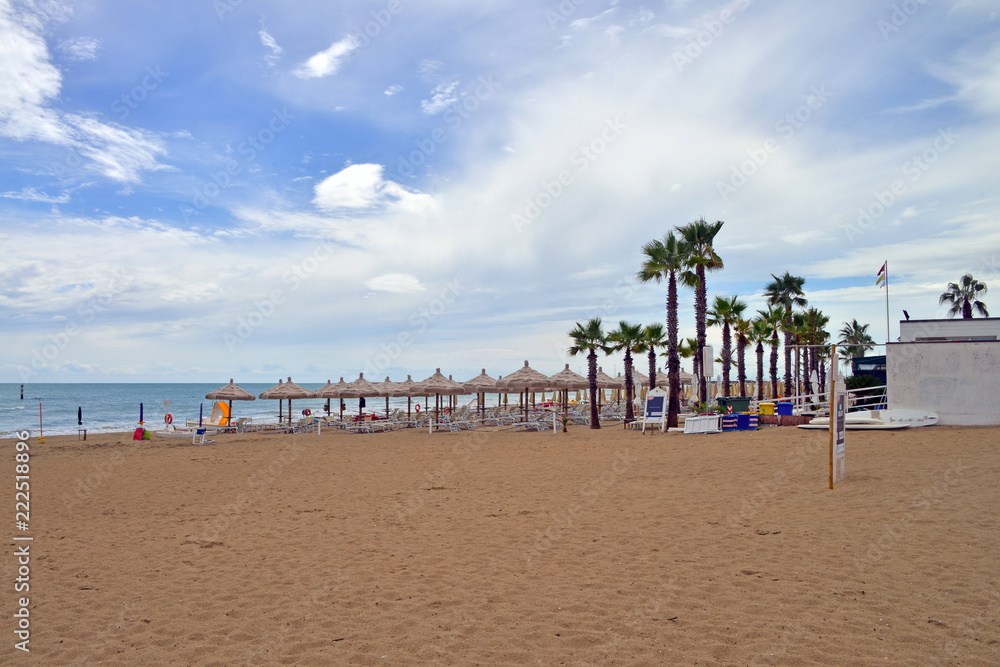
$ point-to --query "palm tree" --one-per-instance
(699, 256)
(653, 336)
(626, 337)
(855, 340)
(589, 338)
(773, 318)
(964, 297)
(664, 259)
(786, 292)
(760, 333)
(815, 335)
(726, 312)
(744, 331)
(688, 349)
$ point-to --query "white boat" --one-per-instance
(865, 420)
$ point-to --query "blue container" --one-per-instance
(730, 423)
(785, 409)
(746, 422)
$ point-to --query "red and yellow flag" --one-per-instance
(880, 279)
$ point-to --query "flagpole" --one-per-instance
(887, 334)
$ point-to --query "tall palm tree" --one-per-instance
(786, 292)
(744, 330)
(665, 259)
(774, 318)
(855, 339)
(726, 312)
(797, 329)
(760, 333)
(626, 337)
(589, 338)
(697, 240)
(964, 297)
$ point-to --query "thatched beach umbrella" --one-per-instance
(231, 392)
(359, 389)
(479, 385)
(437, 386)
(568, 380)
(524, 379)
(405, 388)
(330, 390)
(604, 381)
(388, 388)
(286, 391)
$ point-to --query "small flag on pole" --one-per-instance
(880, 280)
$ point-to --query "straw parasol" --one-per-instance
(437, 386)
(329, 391)
(388, 388)
(231, 392)
(405, 388)
(286, 391)
(359, 389)
(479, 385)
(524, 379)
(567, 380)
(604, 381)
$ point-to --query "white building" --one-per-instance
(951, 367)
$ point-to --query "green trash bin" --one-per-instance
(739, 403)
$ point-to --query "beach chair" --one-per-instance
(199, 437)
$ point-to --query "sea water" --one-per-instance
(114, 407)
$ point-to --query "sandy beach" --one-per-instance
(502, 548)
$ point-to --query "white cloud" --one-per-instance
(268, 41)
(80, 48)
(31, 194)
(360, 187)
(329, 61)
(393, 89)
(397, 283)
(442, 98)
(29, 83)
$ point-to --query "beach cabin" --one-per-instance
(951, 367)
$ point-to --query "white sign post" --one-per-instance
(655, 411)
(838, 420)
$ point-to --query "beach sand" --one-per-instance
(502, 548)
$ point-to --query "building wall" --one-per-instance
(912, 330)
(960, 381)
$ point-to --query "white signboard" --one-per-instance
(656, 409)
(839, 426)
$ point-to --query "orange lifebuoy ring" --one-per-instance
(417, 408)
(168, 418)
(307, 412)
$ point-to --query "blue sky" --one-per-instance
(254, 189)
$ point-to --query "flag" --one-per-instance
(880, 279)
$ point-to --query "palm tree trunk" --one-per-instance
(727, 358)
(774, 366)
(629, 412)
(652, 367)
(595, 421)
(701, 310)
(673, 358)
(760, 370)
(788, 361)
(741, 366)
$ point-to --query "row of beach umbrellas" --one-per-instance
(523, 380)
